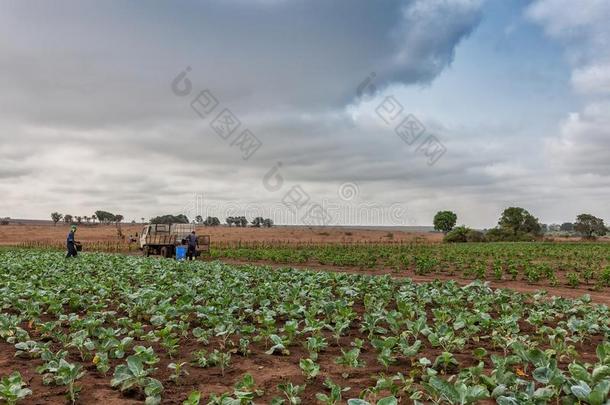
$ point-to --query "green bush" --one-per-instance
(505, 235)
(463, 234)
(475, 236)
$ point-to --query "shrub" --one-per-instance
(463, 234)
(457, 235)
(505, 235)
(475, 236)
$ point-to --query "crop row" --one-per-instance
(554, 262)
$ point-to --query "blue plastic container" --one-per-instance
(180, 252)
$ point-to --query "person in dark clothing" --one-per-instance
(192, 242)
(71, 243)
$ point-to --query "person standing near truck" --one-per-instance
(192, 242)
(71, 243)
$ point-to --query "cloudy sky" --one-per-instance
(283, 107)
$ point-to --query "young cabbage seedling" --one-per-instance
(220, 359)
(193, 398)
(334, 397)
(178, 371)
(292, 392)
(135, 375)
(315, 344)
(12, 389)
(67, 374)
(279, 345)
(350, 359)
(247, 386)
(101, 362)
(309, 368)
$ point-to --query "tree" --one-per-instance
(238, 221)
(567, 227)
(199, 219)
(170, 219)
(68, 219)
(56, 217)
(258, 222)
(143, 219)
(444, 221)
(211, 221)
(79, 219)
(588, 225)
(93, 218)
(518, 220)
(105, 216)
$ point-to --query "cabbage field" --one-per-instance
(553, 264)
(125, 329)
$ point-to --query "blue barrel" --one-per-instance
(180, 252)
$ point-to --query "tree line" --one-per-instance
(515, 224)
(103, 217)
(258, 222)
(241, 221)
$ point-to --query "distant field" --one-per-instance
(44, 231)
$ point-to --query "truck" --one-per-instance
(162, 239)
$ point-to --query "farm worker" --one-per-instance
(193, 242)
(70, 241)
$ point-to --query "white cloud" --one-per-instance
(583, 142)
(580, 148)
(592, 79)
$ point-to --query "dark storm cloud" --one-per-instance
(73, 64)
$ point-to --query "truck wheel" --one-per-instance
(164, 251)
